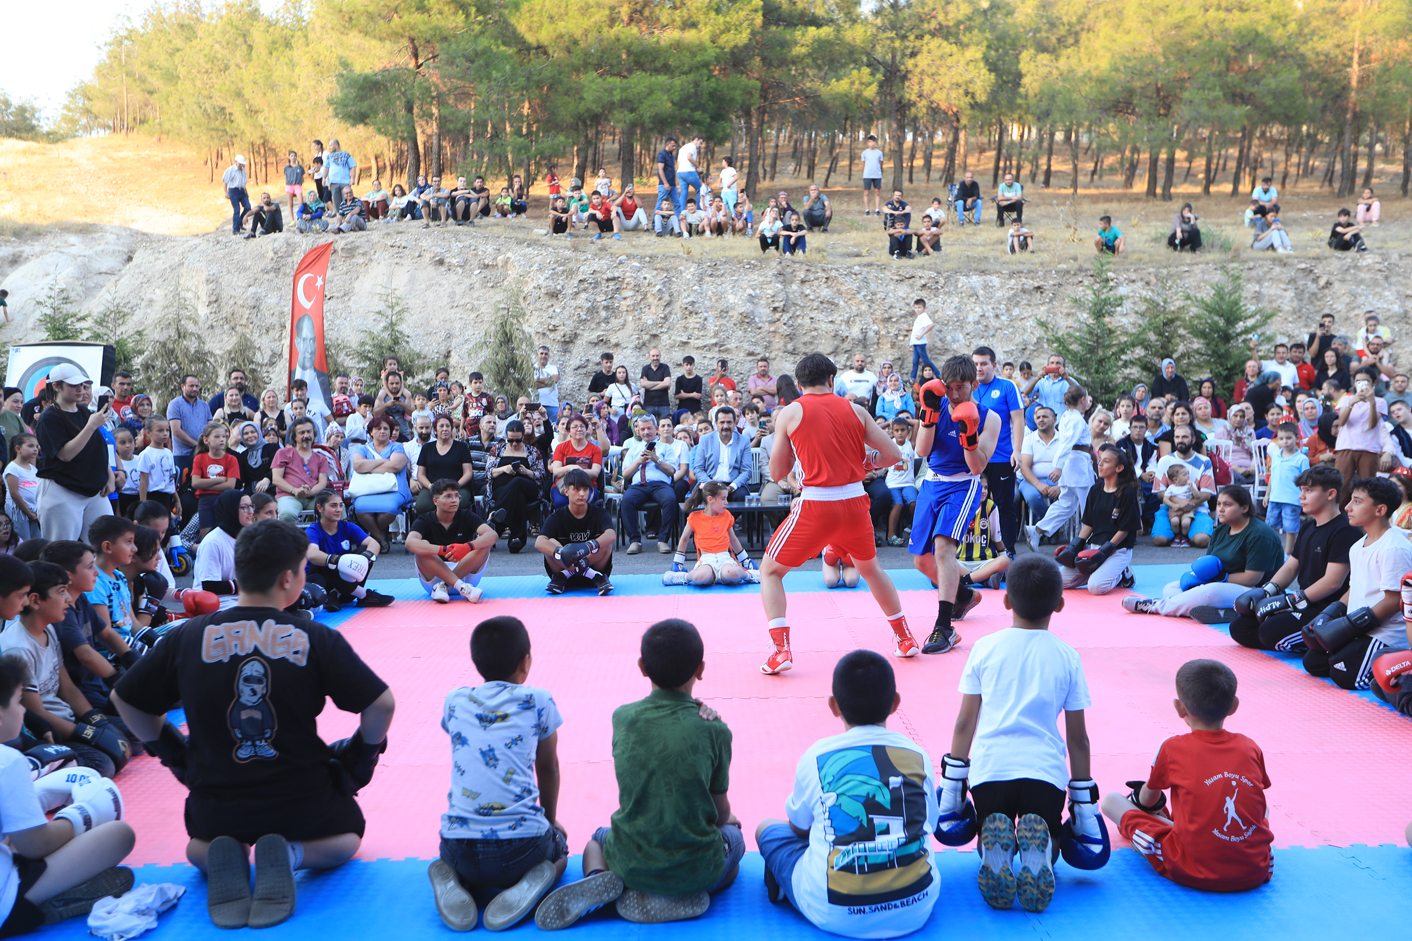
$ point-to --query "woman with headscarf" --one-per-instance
(1169, 382)
(253, 456)
(1140, 395)
(1309, 411)
(502, 409)
(215, 558)
(142, 409)
(335, 443)
(1240, 432)
(880, 387)
(1203, 416)
(1185, 232)
(894, 399)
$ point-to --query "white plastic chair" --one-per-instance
(1259, 451)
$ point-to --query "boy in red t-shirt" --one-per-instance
(1216, 836)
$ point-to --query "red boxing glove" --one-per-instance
(1407, 597)
(196, 601)
(455, 552)
(968, 419)
(1389, 668)
(833, 557)
(933, 395)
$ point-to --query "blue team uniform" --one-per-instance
(950, 494)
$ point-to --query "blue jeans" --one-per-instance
(492, 865)
(783, 849)
(656, 493)
(919, 356)
(793, 246)
(239, 206)
(1038, 502)
(671, 194)
(975, 211)
(688, 180)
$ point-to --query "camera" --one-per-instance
(1361, 385)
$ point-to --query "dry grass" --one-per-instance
(165, 187)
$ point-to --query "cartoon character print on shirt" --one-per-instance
(875, 815)
(251, 716)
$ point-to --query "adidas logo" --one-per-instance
(1338, 666)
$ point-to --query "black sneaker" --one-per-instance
(374, 599)
(941, 640)
(497, 519)
(558, 584)
(515, 545)
(602, 584)
(1128, 580)
(963, 607)
(332, 605)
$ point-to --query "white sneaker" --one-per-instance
(468, 591)
(439, 594)
(1032, 534)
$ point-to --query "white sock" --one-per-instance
(296, 854)
(778, 622)
(360, 592)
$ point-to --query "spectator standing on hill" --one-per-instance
(293, 181)
(667, 178)
(234, 181)
(342, 173)
(546, 384)
(688, 386)
(656, 386)
(872, 175)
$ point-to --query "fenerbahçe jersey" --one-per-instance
(977, 544)
(947, 458)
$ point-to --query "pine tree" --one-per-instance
(1091, 343)
(505, 350)
(1161, 331)
(1221, 325)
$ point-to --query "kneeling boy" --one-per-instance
(1216, 835)
(826, 859)
(673, 840)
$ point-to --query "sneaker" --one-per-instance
(1128, 579)
(507, 908)
(598, 237)
(1034, 883)
(558, 583)
(468, 591)
(81, 898)
(941, 640)
(617, 237)
(1137, 605)
(454, 904)
(962, 609)
(904, 646)
(1032, 534)
(439, 594)
(515, 545)
(1180, 542)
(997, 878)
(603, 585)
(779, 661)
(995, 581)
(332, 606)
(634, 547)
(648, 908)
(566, 905)
(272, 902)
(227, 883)
(373, 599)
(664, 547)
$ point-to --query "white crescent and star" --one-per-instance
(299, 289)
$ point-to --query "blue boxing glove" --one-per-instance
(679, 562)
(956, 826)
(1083, 839)
(1203, 571)
(746, 562)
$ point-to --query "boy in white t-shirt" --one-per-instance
(1016, 681)
(501, 841)
(156, 468)
(854, 856)
(901, 480)
(921, 326)
(1347, 636)
(53, 869)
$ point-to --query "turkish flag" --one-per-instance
(307, 360)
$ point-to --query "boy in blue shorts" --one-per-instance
(1007, 748)
(501, 841)
(957, 438)
(853, 856)
(1287, 462)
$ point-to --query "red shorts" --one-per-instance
(813, 524)
(1146, 833)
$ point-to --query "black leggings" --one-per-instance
(1351, 667)
(899, 244)
(769, 242)
(332, 582)
(1282, 632)
(1191, 241)
(1022, 796)
(515, 496)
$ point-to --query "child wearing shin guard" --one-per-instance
(673, 840)
(1007, 747)
(501, 841)
(1214, 833)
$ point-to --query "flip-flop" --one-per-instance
(273, 899)
(228, 883)
(81, 898)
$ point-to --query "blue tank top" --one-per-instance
(947, 457)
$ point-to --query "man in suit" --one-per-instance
(724, 456)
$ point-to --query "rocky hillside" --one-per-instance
(583, 299)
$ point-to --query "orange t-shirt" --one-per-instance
(713, 533)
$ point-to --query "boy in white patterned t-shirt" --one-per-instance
(501, 841)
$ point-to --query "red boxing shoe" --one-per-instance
(780, 658)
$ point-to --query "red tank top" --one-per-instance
(828, 443)
(629, 206)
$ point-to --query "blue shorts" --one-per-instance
(1283, 517)
(783, 849)
(1203, 525)
(732, 845)
(872, 184)
(944, 508)
(901, 496)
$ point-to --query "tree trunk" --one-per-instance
(999, 150)
(435, 143)
(833, 157)
(1240, 159)
(627, 152)
(1349, 143)
(1153, 156)
(851, 137)
(775, 154)
(899, 127)
(948, 167)
(756, 117)
(912, 157)
(927, 155)
(1407, 154)
(1048, 160)
(581, 155)
(1210, 153)
(1130, 165)
(1073, 136)
(1372, 151)
(1169, 170)
(1284, 168)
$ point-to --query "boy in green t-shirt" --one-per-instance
(674, 839)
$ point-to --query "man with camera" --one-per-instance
(650, 467)
(1048, 388)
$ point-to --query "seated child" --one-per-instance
(719, 554)
(838, 569)
(1019, 238)
(113, 539)
(901, 482)
(842, 786)
(1177, 499)
(929, 235)
(1013, 681)
(673, 839)
(1215, 835)
(61, 867)
(982, 552)
(501, 840)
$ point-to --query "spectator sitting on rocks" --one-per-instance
(742, 215)
(1270, 234)
(481, 193)
(560, 219)
(1019, 238)
(502, 204)
(602, 217)
(770, 227)
(309, 216)
(519, 195)
(664, 219)
(818, 212)
(1109, 238)
(264, 218)
(792, 236)
(693, 220)
(718, 219)
(1369, 209)
(630, 214)
(897, 222)
(929, 235)
(1345, 236)
(403, 206)
(352, 214)
(1185, 232)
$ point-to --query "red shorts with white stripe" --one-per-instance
(813, 524)
(1146, 833)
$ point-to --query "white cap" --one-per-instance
(68, 373)
(240, 159)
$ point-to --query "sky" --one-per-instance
(43, 71)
